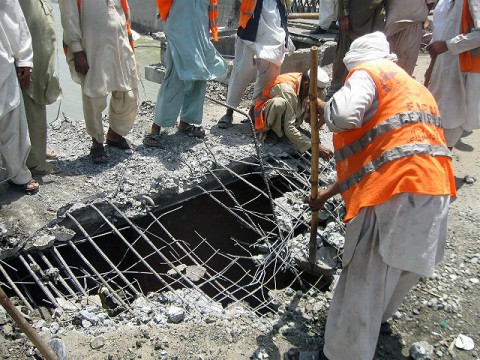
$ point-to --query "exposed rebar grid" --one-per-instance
(232, 244)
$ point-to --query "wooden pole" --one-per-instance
(36, 339)
(313, 94)
(294, 16)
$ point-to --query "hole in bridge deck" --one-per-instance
(202, 234)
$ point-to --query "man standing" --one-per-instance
(262, 40)
(404, 29)
(45, 88)
(101, 58)
(15, 66)
(281, 107)
(455, 79)
(191, 60)
(395, 175)
(355, 18)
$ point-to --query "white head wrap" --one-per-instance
(368, 47)
(322, 78)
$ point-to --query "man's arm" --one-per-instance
(323, 195)
(461, 42)
(22, 48)
(72, 34)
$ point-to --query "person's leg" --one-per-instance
(361, 295)
(243, 73)
(266, 71)
(327, 13)
(122, 113)
(193, 100)
(170, 97)
(452, 136)
(92, 111)
(15, 145)
(405, 283)
(37, 129)
(339, 71)
(406, 45)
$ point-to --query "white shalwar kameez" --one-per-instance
(386, 249)
(100, 31)
(261, 59)
(456, 92)
(327, 12)
(15, 50)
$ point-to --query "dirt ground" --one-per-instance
(436, 311)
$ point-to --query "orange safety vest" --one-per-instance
(469, 60)
(288, 78)
(246, 12)
(164, 8)
(400, 150)
(126, 11)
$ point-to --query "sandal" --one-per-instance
(46, 169)
(98, 154)
(225, 121)
(153, 140)
(193, 131)
(122, 144)
(30, 187)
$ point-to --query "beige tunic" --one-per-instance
(99, 30)
(284, 115)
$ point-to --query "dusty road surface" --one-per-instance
(435, 312)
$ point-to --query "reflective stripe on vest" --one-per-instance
(292, 79)
(246, 12)
(401, 149)
(392, 123)
(164, 8)
(469, 60)
(126, 11)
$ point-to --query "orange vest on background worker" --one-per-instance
(126, 11)
(292, 79)
(469, 60)
(164, 8)
(400, 150)
(246, 12)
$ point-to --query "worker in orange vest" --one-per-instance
(191, 60)
(455, 78)
(260, 47)
(395, 175)
(99, 49)
(281, 108)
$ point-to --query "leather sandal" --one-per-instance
(31, 187)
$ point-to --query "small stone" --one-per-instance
(158, 345)
(289, 291)
(474, 280)
(97, 343)
(469, 179)
(175, 314)
(54, 327)
(86, 324)
(397, 315)
(261, 354)
(421, 351)
(3, 316)
(58, 347)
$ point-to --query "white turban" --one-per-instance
(368, 47)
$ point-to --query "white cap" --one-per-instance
(322, 78)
